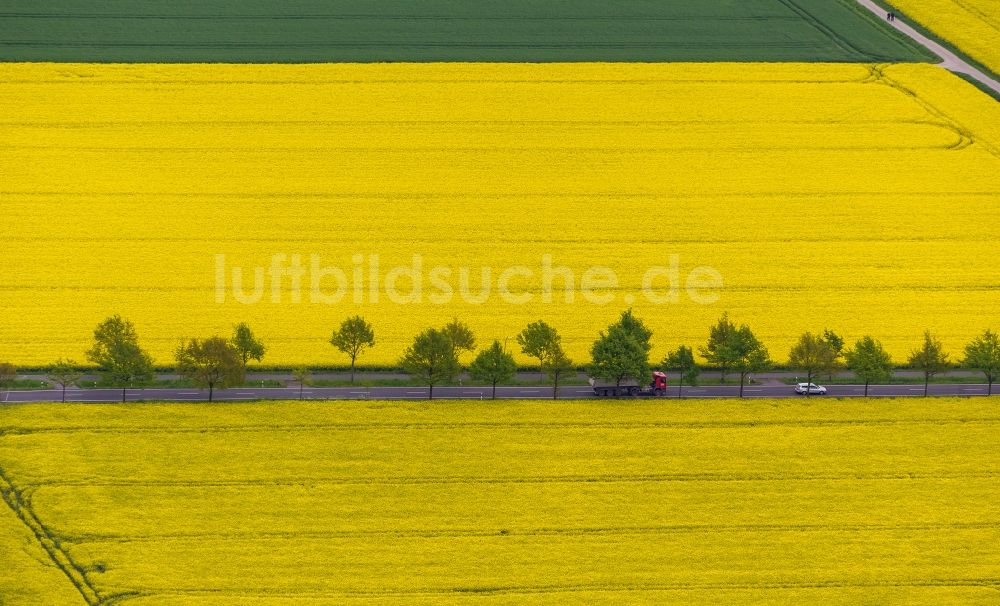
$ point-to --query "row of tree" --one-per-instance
(434, 356)
(620, 353)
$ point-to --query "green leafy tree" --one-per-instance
(556, 364)
(719, 350)
(929, 358)
(812, 353)
(431, 358)
(836, 352)
(493, 365)
(637, 328)
(353, 337)
(870, 361)
(116, 352)
(750, 354)
(64, 374)
(247, 345)
(623, 351)
(8, 375)
(211, 363)
(538, 340)
(681, 360)
(983, 354)
(303, 376)
(460, 336)
(616, 356)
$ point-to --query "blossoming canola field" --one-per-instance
(971, 25)
(824, 195)
(512, 503)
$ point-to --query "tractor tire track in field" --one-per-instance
(608, 151)
(987, 582)
(383, 17)
(978, 14)
(879, 77)
(501, 425)
(525, 479)
(49, 542)
(430, 195)
(499, 239)
(821, 27)
(657, 45)
(324, 81)
(524, 532)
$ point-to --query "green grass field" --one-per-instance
(299, 504)
(446, 30)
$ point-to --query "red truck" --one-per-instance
(631, 387)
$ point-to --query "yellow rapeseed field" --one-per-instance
(27, 577)
(488, 503)
(860, 198)
(971, 25)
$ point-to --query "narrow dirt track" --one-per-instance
(949, 60)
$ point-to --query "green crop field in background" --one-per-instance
(446, 30)
(487, 503)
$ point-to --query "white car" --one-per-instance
(812, 388)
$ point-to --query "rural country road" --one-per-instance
(949, 60)
(466, 393)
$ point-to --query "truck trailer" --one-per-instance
(630, 387)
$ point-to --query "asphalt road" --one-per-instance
(475, 393)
